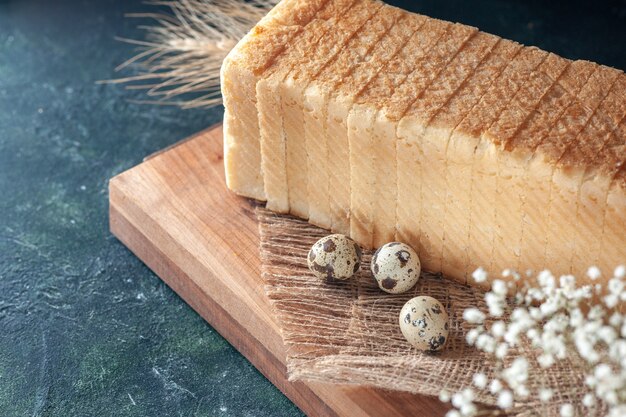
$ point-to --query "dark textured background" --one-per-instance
(85, 328)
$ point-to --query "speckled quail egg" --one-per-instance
(396, 267)
(334, 257)
(424, 323)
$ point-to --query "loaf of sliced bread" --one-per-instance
(385, 125)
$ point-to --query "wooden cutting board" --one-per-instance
(175, 213)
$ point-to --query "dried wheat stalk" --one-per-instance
(179, 61)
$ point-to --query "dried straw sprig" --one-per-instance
(179, 61)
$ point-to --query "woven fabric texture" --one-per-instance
(348, 332)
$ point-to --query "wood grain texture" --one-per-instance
(175, 213)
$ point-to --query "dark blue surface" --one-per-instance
(85, 328)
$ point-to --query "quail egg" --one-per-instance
(424, 323)
(334, 257)
(396, 267)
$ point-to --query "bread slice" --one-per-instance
(363, 156)
(614, 223)
(376, 41)
(508, 199)
(416, 127)
(562, 192)
(475, 187)
(600, 140)
(530, 207)
(386, 125)
(241, 70)
(459, 154)
(359, 18)
(340, 101)
(276, 161)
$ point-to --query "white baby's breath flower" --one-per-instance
(521, 391)
(468, 395)
(616, 286)
(610, 397)
(529, 297)
(535, 313)
(576, 318)
(557, 324)
(617, 350)
(495, 303)
(468, 409)
(512, 334)
(585, 347)
(495, 386)
(453, 413)
(591, 325)
(533, 334)
(534, 294)
(479, 275)
(590, 381)
(546, 279)
(499, 287)
(557, 319)
(545, 394)
(596, 313)
(473, 316)
(583, 293)
(607, 334)
(522, 318)
(516, 374)
(444, 396)
(594, 273)
(567, 410)
(620, 271)
(471, 336)
(589, 400)
(567, 282)
(545, 360)
(619, 411)
(592, 357)
(498, 329)
(501, 350)
(505, 399)
(550, 307)
(457, 400)
(480, 380)
(602, 371)
(486, 343)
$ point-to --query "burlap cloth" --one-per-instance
(348, 332)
